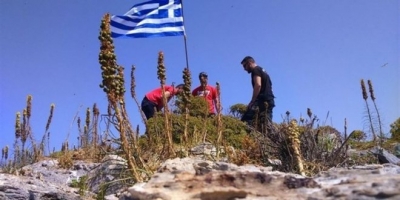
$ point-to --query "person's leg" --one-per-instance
(262, 106)
(148, 108)
(265, 116)
(269, 119)
(269, 114)
(248, 116)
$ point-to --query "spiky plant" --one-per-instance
(294, 139)
(29, 106)
(267, 123)
(312, 118)
(206, 111)
(133, 93)
(371, 92)
(86, 129)
(26, 132)
(365, 97)
(4, 153)
(18, 129)
(113, 86)
(161, 75)
(46, 133)
(309, 112)
(219, 120)
(64, 146)
(187, 80)
(95, 135)
(26, 126)
(287, 117)
(25, 129)
(18, 133)
(80, 140)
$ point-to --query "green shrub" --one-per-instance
(199, 130)
(395, 130)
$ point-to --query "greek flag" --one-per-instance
(154, 18)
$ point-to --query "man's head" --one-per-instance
(203, 77)
(179, 88)
(248, 63)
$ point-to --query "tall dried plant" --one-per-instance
(266, 124)
(113, 86)
(4, 154)
(133, 94)
(294, 138)
(219, 119)
(18, 133)
(85, 136)
(46, 133)
(371, 92)
(95, 121)
(365, 97)
(187, 80)
(27, 132)
(205, 111)
(80, 139)
(26, 123)
(161, 75)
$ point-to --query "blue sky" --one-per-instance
(316, 53)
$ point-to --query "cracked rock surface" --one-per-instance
(196, 178)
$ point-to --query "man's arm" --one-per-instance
(167, 95)
(256, 88)
(216, 105)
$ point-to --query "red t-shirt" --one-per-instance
(155, 96)
(209, 92)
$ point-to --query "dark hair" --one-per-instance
(180, 86)
(247, 59)
(203, 74)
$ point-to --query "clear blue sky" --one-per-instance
(316, 53)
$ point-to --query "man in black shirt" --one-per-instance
(262, 97)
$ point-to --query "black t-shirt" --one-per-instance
(266, 84)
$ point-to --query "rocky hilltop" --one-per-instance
(195, 178)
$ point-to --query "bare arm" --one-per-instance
(256, 88)
(216, 105)
(167, 95)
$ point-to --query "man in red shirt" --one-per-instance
(153, 100)
(208, 92)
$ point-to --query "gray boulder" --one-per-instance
(384, 156)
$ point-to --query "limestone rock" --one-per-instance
(42, 180)
(198, 179)
(107, 176)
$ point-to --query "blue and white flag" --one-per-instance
(154, 18)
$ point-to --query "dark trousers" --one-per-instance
(148, 108)
(264, 114)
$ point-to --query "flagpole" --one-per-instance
(184, 38)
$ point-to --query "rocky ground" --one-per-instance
(195, 178)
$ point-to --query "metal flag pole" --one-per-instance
(184, 37)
